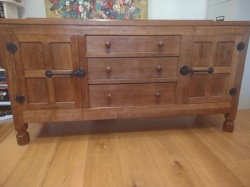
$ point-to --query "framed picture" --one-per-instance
(97, 9)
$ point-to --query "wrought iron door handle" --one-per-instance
(78, 73)
(186, 70)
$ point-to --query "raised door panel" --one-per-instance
(38, 54)
(204, 52)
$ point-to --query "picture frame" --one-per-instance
(97, 9)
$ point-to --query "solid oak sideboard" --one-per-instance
(72, 70)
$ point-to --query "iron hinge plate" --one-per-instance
(20, 99)
(240, 46)
(12, 48)
(233, 91)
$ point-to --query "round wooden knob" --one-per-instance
(109, 96)
(159, 68)
(160, 44)
(107, 45)
(157, 95)
(108, 69)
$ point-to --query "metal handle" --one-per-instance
(186, 70)
(78, 73)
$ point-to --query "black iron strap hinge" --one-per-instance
(12, 48)
(20, 99)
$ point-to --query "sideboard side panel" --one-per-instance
(13, 88)
(239, 74)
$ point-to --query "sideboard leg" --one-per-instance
(228, 125)
(23, 137)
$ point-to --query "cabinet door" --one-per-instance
(218, 54)
(38, 54)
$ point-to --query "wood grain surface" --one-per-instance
(169, 151)
(132, 69)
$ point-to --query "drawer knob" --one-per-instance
(108, 69)
(160, 44)
(109, 96)
(158, 68)
(108, 45)
(157, 95)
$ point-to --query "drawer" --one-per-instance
(132, 44)
(132, 68)
(132, 94)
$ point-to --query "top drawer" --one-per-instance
(132, 44)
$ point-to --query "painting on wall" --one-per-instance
(97, 9)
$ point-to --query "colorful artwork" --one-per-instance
(97, 9)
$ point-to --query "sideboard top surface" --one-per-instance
(58, 21)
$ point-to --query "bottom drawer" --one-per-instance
(132, 94)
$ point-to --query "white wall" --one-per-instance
(229, 9)
(33, 9)
(157, 9)
(244, 10)
(177, 9)
(244, 103)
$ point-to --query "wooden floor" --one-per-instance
(157, 152)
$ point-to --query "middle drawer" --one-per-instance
(132, 68)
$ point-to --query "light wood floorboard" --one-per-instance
(182, 151)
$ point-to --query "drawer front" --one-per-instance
(132, 68)
(132, 94)
(132, 44)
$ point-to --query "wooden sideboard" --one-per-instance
(71, 70)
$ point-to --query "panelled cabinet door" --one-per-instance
(212, 64)
(37, 54)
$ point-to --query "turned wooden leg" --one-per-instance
(228, 125)
(23, 137)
